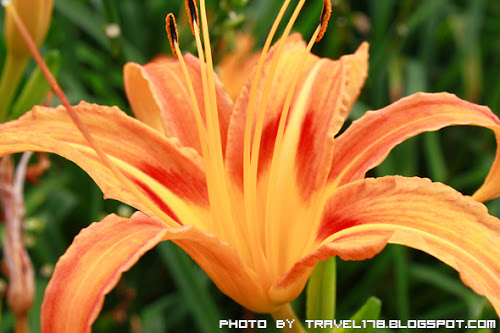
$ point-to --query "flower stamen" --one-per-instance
(253, 160)
(213, 157)
(193, 16)
(324, 18)
(273, 222)
(171, 28)
(173, 36)
(220, 199)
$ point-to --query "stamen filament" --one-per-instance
(273, 221)
(219, 197)
(214, 136)
(215, 201)
(274, 224)
(214, 117)
(201, 127)
(76, 119)
(171, 28)
(212, 186)
(250, 190)
(260, 228)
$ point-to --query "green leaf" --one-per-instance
(400, 254)
(369, 311)
(35, 90)
(193, 290)
(321, 291)
(80, 15)
(157, 316)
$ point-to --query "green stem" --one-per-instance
(286, 315)
(11, 75)
(321, 290)
(401, 265)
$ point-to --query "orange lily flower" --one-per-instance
(258, 191)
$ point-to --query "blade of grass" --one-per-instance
(34, 314)
(35, 90)
(80, 15)
(434, 157)
(157, 317)
(400, 255)
(365, 283)
(195, 294)
(369, 311)
(445, 283)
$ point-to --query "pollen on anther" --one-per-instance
(326, 13)
(192, 11)
(171, 28)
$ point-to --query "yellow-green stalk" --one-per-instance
(36, 15)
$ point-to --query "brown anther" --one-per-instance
(326, 12)
(192, 10)
(171, 28)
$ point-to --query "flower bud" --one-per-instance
(36, 15)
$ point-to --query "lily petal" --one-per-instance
(171, 177)
(92, 266)
(225, 267)
(414, 212)
(368, 141)
(236, 66)
(321, 107)
(159, 97)
(313, 101)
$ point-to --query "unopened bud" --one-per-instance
(36, 15)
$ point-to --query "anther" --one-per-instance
(171, 28)
(326, 12)
(193, 16)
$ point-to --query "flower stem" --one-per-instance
(291, 323)
(20, 294)
(22, 324)
(12, 74)
(321, 291)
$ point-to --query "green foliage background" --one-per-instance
(415, 45)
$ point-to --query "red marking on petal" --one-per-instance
(157, 200)
(268, 140)
(333, 224)
(185, 186)
(305, 157)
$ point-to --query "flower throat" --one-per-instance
(248, 234)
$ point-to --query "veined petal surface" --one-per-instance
(92, 266)
(368, 141)
(321, 101)
(171, 177)
(159, 97)
(417, 213)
